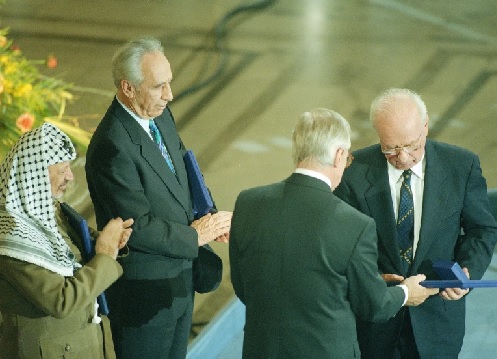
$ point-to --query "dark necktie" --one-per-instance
(158, 140)
(405, 221)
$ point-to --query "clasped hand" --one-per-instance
(114, 236)
(213, 227)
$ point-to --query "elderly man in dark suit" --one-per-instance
(448, 218)
(135, 168)
(303, 261)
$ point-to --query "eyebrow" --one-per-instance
(409, 144)
(163, 83)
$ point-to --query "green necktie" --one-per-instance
(405, 221)
(158, 140)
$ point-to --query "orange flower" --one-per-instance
(51, 62)
(25, 122)
(15, 49)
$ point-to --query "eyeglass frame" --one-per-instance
(409, 149)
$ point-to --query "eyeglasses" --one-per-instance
(409, 149)
(350, 158)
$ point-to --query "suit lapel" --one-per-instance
(152, 155)
(435, 196)
(379, 200)
(169, 133)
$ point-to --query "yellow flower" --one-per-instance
(7, 85)
(11, 67)
(23, 90)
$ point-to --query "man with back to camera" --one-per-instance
(303, 261)
(446, 193)
(128, 174)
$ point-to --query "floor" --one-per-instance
(244, 70)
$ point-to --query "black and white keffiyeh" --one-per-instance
(28, 228)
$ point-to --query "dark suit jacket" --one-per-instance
(304, 263)
(455, 198)
(128, 177)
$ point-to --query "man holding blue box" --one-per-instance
(135, 167)
(422, 195)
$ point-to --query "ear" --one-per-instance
(127, 89)
(338, 157)
(426, 125)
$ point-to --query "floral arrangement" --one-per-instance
(28, 98)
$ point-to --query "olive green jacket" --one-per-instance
(46, 315)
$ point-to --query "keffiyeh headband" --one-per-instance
(28, 228)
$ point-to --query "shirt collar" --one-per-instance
(315, 174)
(142, 122)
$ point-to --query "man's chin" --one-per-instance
(159, 111)
(58, 195)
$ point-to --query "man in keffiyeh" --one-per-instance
(47, 293)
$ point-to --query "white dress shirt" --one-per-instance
(142, 122)
(417, 188)
(315, 174)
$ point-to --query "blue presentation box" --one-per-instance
(452, 276)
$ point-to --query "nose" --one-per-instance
(69, 175)
(402, 155)
(167, 93)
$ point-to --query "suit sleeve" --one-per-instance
(56, 295)
(370, 298)
(116, 186)
(480, 229)
(343, 191)
(236, 278)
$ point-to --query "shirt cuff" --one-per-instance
(406, 292)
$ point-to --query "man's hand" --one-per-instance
(417, 293)
(213, 227)
(392, 278)
(113, 237)
(455, 293)
(223, 238)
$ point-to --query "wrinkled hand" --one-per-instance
(455, 293)
(223, 238)
(213, 227)
(392, 278)
(114, 236)
(417, 293)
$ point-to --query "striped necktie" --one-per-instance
(405, 221)
(158, 140)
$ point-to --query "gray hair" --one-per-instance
(318, 134)
(126, 63)
(383, 103)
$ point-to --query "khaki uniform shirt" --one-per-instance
(46, 315)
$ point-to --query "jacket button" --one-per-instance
(67, 348)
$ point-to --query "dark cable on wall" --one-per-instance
(220, 34)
